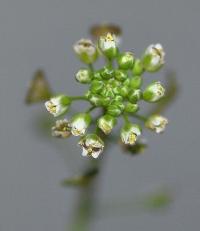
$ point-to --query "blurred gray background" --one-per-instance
(41, 33)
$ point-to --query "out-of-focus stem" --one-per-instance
(86, 203)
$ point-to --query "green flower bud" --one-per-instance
(135, 82)
(138, 68)
(97, 75)
(124, 91)
(119, 104)
(121, 75)
(131, 108)
(92, 145)
(126, 60)
(126, 82)
(106, 123)
(86, 51)
(58, 105)
(114, 110)
(108, 92)
(79, 123)
(105, 101)
(156, 123)
(153, 58)
(154, 92)
(118, 98)
(84, 76)
(130, 133)
(96, 100)
(88, 94)
(96, 86)
(107, 72)
(135, 95)
(108, 46)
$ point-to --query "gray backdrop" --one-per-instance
(40, 33)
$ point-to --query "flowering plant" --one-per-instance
(116, 88)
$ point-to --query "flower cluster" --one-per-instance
(116, 89)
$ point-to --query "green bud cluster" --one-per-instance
(117, 88)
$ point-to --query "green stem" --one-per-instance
(90, 109)
(91, 67)
(126, 119)
(86, 203)
(73, 98)
(140, 117)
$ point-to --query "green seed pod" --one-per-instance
(96, 86)
(121, 75)
(107, 72)
(108, 46)
(106, 123)
(135, 82)
(135, 95)
(138, 68)
(126, 60)
(131, 108)
(154, 92)
(84, 76)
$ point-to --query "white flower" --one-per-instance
(106, 123)
(79, 124)
(61, 129)
(57, 105)
(92, 145)
(86, 50)
(108, 45)
(130, 133)
(156, 123)
(154, 92)
(154, 57)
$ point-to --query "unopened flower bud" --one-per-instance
(153, 58)
(126, 60)
(114, 110)
(96, 100)
(107, 72)
(130, 133)
(156, 123)
(97, 75)
(92, 145)
(135, 95)
(106, 123)
(96, 86)
(108, 45)
(84, 76)
(154, 92)
(86, 51)
(62, 129)
(124, 91)
(121, 75)
(136, 82)
(79, 123)
(138, 68)
(131, 108)
(58, 105)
